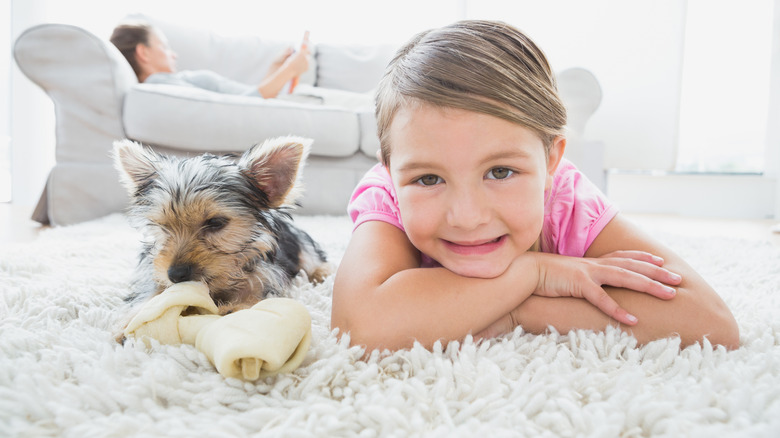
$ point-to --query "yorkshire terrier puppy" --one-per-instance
(220, 220)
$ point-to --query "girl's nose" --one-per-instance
(468, 209)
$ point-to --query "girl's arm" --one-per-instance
(384, 300)
(696, 311)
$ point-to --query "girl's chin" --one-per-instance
(477, 270)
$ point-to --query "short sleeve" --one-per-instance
(374, 199)
(576, 211)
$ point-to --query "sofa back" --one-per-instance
(352, 67)
(343, 67)
(244, 58)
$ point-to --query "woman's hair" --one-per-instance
(127, 36)
(488, 67)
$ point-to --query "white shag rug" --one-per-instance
(61, 374)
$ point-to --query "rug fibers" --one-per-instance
(62, 375)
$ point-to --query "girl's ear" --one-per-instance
(554, 158)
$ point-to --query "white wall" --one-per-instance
(32, 120)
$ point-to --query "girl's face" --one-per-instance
(470, 186)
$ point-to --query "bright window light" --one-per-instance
(725, 86)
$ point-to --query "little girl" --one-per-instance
(475, 223)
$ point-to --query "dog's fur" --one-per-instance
(220, 220)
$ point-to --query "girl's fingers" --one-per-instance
(599, 298)
(630, 279)
(636, 255)
(649, 270)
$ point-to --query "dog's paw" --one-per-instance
(321, 273)
(119, 337)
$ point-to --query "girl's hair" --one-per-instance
(488, 67)
(127, 36)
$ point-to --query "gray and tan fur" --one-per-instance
(220, 220)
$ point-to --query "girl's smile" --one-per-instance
(470, 186)
(476, 248)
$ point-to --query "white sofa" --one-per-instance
(97, 100)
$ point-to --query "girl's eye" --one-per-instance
(499, 173)
(429, 180)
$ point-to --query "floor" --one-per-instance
(16, 225)
(751, 229)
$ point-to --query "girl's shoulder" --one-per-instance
(575, 212)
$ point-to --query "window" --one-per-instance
(725, 86)
(5, 109)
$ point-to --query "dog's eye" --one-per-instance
(215, 223)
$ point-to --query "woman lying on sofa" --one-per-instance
(153, 61)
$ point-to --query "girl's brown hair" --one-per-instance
(488, 67)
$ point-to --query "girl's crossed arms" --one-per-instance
(475, 223)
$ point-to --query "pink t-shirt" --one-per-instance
(575, 210)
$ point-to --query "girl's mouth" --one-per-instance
(476, 247)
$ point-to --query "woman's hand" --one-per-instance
(297, 63)
(561, 276)
(285, 67)
(277, 63)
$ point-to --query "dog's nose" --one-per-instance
(179, 273)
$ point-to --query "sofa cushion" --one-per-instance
(204, 121)
(369, 141)
(352, 68)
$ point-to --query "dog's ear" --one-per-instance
(275, 168)
(136, 165)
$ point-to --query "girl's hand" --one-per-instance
(561, 276)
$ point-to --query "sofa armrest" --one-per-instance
(581, 93)
(86, 78)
